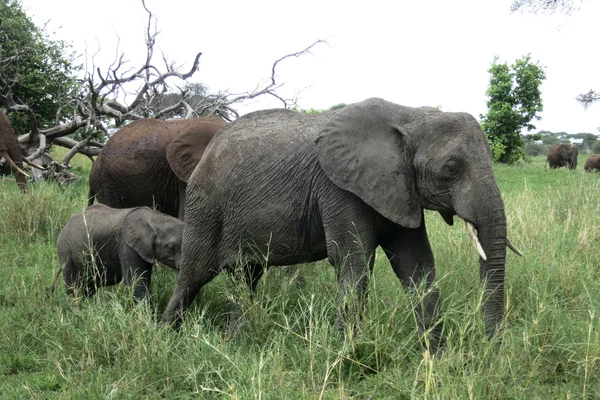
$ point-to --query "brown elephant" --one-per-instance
(12, 152)
(592, 164)
(148, 162)
(562, 155)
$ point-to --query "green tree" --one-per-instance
(533, 149)
(318, 110)
(338, 106)
(588, 140)
(514, 99)
(41, 71)
(550, 139)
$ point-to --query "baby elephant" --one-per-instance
(124, 243)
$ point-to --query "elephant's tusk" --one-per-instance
(34, 164)
(12, 164)
(514, 248)
(473, 235)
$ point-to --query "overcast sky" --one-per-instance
(414, 53)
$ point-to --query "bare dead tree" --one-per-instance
(586, 99)
(271, 88)
(101, 103)
(544, 6)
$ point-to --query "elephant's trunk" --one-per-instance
(492, 236)
(488, 218)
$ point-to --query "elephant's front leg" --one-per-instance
(21, 181)
(412, 260)
(136, 272)
(353, 256)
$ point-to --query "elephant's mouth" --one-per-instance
(448, 217)
(472, 232)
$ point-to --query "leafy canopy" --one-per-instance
(42, 70)
(514, 99)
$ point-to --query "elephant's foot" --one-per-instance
(235, 320)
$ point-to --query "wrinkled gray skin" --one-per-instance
(125, 241)
(305, 187)
(592, 164)
(562, 155)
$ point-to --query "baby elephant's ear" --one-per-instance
(139, 234)
(363, 150)
(186, 150)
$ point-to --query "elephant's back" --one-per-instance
(131, 151)
(132, 168)
(261, 137)
(140, 141)
(142, 144)
(593, 161)
(98, 224)
(256, 174)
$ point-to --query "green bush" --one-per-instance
(533, 149)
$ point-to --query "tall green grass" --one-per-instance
(288, 345)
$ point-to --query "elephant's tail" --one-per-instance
(91, 196)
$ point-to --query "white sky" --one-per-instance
(418, 52)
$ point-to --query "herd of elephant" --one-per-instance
(565, 155)
(281, 187)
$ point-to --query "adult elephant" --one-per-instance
(11, 151)
(592, 163)
(562, 155)
(148, 162)
(304, 187)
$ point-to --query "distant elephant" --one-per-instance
(592, 163)
(280, 187)
(124, 243)
(562, 155)
(12, 152)
(148, 162)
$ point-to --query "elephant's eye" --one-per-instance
(451, 168)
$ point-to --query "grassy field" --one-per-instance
(288, 347)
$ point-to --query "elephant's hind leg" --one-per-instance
(252, 272)
(192, 276)
(79, 283)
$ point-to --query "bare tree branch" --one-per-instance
(271, 88)
(41, 147)
(70, 143)
(102, 100)
(74, 150)
(544, 6)
(586, 99)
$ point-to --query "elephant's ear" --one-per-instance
(363, 150)
(186, 150)
(138, 234)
